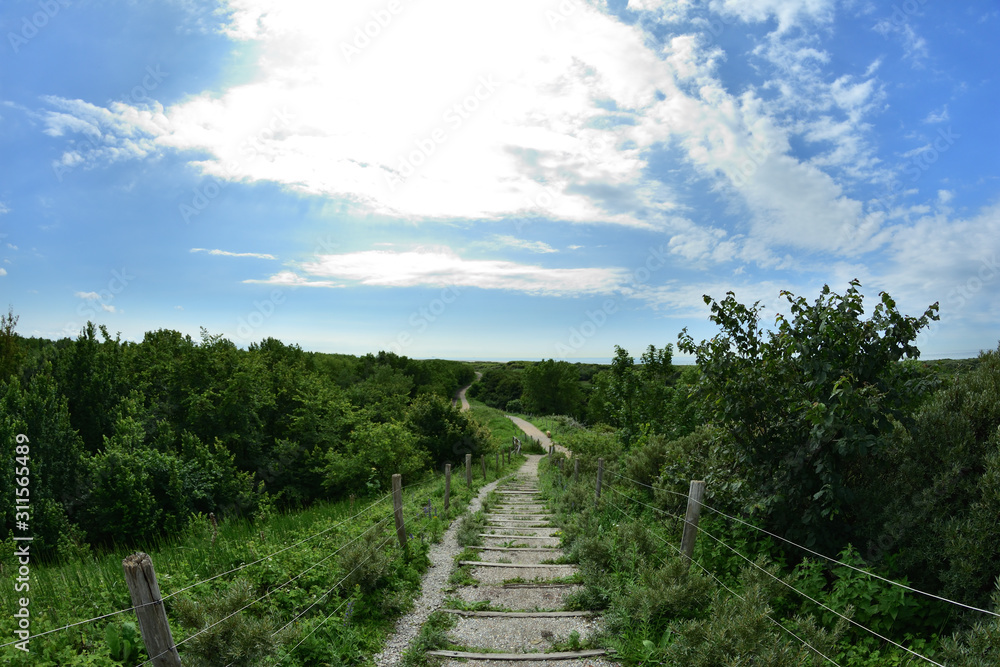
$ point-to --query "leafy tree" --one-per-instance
(498, 387)
(92, 377)
(635, 397)
(384, 395)
(56, 457)
(374, 453)
(937, 498)
(439, 428)
(552, 387)
(809, 405)
(10, 346)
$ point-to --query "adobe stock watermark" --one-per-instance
(964, 293)
(139, 94)
(915, 167)
(365, 34)
(261, 312)
(593, 154)
(95, 303)
(421, 319)
(908, 8)
(426, 146)
(594, 321)
(205, 192)
(22, 538)
(33, 24)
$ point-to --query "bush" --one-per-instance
(942, 497)
(245, 638)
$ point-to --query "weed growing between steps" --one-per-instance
(433, 637)
(471, 526)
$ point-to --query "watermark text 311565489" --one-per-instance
(22, 539)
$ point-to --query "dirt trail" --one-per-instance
(533, 431)
(460, 394)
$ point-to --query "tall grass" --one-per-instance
(93, 586)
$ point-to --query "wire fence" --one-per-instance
(420, 491)
(621, 501)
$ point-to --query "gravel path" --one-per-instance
(534, 432)
(442, 557)
(507, 634)
(460, 395)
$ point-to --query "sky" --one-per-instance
(511, 179)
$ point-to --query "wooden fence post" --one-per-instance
(447, 485)
(468, 469)
(145, 592)
(498, 462)
(576, 470)
(482, 462)
(600, 476)
(695, 493)
(397, 508)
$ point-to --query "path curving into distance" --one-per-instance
(533, 431)
(460, 394)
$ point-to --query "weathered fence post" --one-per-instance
(468, 469)
(600, 476)
(576, 470)
(498, 462)
(447, 485)
(397, 508)
(695, 493)
(141, 580)
(482, 462)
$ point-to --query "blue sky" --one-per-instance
(494, 180)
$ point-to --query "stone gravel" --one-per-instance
(519, 635)
(492, 576)
(529, 599)
(442, 556)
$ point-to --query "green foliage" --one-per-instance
(56, 458)
(446, 432)
(11, 352)
(552, 387)
(226, 637)
(808, 405)
(499, 387)
(939, 495)
(635, 398)
(373, 453)
(123, 641)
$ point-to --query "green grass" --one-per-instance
(92, 586)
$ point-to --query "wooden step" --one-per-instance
(545, 549)
(480, 563)
(518, 614)
(510, 538)
(562, 655)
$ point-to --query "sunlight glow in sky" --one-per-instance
(494, 180)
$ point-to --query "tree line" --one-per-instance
(132, 439)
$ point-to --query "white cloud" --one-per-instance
(88, 296)
(441, 267)
(788, 13)
(523, 244)
(108, 308)
(292, 279)
(3, 272)
(4, 208)
(941, 116)
(226, 253)
(914, 46)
